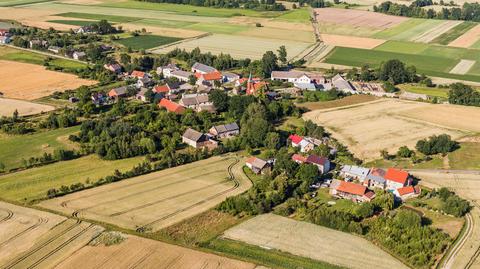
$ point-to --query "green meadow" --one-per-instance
(97, 17)
(146, 41)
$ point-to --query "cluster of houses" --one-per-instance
(359, 180)
(209, 140)
(5, 36)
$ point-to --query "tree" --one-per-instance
(15, 115)
(272, 141)
(385, 155)
(2, 167)
(395, 72)
(192, 80)
(269, 63)
(404, 152)
(282, 54)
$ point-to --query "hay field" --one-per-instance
(238, 46)
(313, 241)
(24, 108)
(467, 185)
(32, 184)
(358, 18)
(157, 200)
(389, 124)
(30, 238)
(30, 81)
(137, 252)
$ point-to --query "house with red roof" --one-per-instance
(396, 178)
(304, 144)
(208, 78)
(351, 191)
(299, 158)
(322, 163)
(295, 139)
(171, 106)
(407, 192)
(138, 74)
(254, 88)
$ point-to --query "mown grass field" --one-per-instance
(430, 91)
(15, 148)
(454, 33)
(146, 41)
(32, 184)
(408, 29)
(297, 15)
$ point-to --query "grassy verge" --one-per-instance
(466, 157)
(430, 91)
(146, 41)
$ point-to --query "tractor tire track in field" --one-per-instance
(231, 177)
(64, 204)
(41, 246)
(9, 215)
(28, 229)
(142, 259)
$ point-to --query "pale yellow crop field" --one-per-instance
(312, 241)
(156, 200)
(389, 124)
(24, 108)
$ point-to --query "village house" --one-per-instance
(167, 69)
(208, 78)
(254, 87)
(195, 101)
(257, 165)
(352, 172)
(197, 139)
(144, 82)
(342, 84)
(54, 49)
(118, 92)
(84, 30)
(181, 75)
(141, 95)
(115, 68)
(4, 32)
(407, 192)
(98, 99)
(138, 74)
(36, 43)
(299, 158)
(202, 68)
(168, 88)
(291, 76)
(322, 163)
(79, 55)
(230, 77)
(396, 179)
(304, 144)
(225, 130)
(376, 178)
(171, 106)
(351, 191)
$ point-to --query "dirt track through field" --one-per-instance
(156, 200)
(468, 39)
(431, 34)
(312, 241)
(462, 67)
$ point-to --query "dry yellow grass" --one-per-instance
(29, 81)
(282, 34)
(157, 200)
(351, 41)
(24, 108)
(312, 241)
(144, 253)
(389, 124)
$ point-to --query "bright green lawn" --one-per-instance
(15, 148)
(10, 54)
(466, 157)
(403, 47)
(296, 15)
(147, 41)
(73, 22)
(218, 28)
(33, 184)
(454, 33)
(192, 10)
(89, 16)
(430, 91)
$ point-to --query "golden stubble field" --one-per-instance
(30, 238)
(30, 81)
(312, 241)
(390, 123)
(24, 108)
(157, 200)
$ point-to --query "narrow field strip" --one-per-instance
(419, 28)
(431, 34)
(462, 67)
(351, 41)
(468, 39)
(454, 33)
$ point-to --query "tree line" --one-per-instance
(262, 5)
(468, 11)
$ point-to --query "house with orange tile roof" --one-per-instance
(171, 106)
(351, 191)
(138, 74)
(407, 192)
(299, 158)
(396, 178)
(257, 165)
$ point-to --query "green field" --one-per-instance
(89, 16)
(223, 28)
(33, 184)
(403, 47)
(164, 23)
(408, 29)
(147, 41)
(466, 157)
(192, 10)
(430, 91)
(398, 29)
(73, 22)
(12, 3)
(15, 148)
(454, 33)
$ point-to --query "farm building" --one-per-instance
(352, 172)
(5, 39)
(225, 130)
(295, 140)
(141, 95)
(351, 191)
(144, 82)
(54, 49)
(197, 139)
(138, 74)
(396, 179)
(257, 165)
(195, 101)
(291, 76)
(322, 163)
(4, 32)
(118, 92)
(230, 77)
(171, 106)
(407, 192)
(376, 178)
(79, 55)
(202, 68)
(208, 78)
(115, 68)
(342, 84)
(84, 30)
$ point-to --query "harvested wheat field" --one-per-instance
(467, 185)
(136, 252)
(351, 41)
(24, 108)
(157, 200)
(432, 33)
(357, 18)
(31, 238)
(312, 241)
(389, 124)
(468, 39)
(30, 81)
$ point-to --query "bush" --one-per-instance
(437, 144)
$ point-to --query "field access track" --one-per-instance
(156, 200)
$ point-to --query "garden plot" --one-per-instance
(389, 124)
(312, 241)
(157, 200)
(432, 33)
(358, 18)
(24, 108)
(462, 67)
(238, 46)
